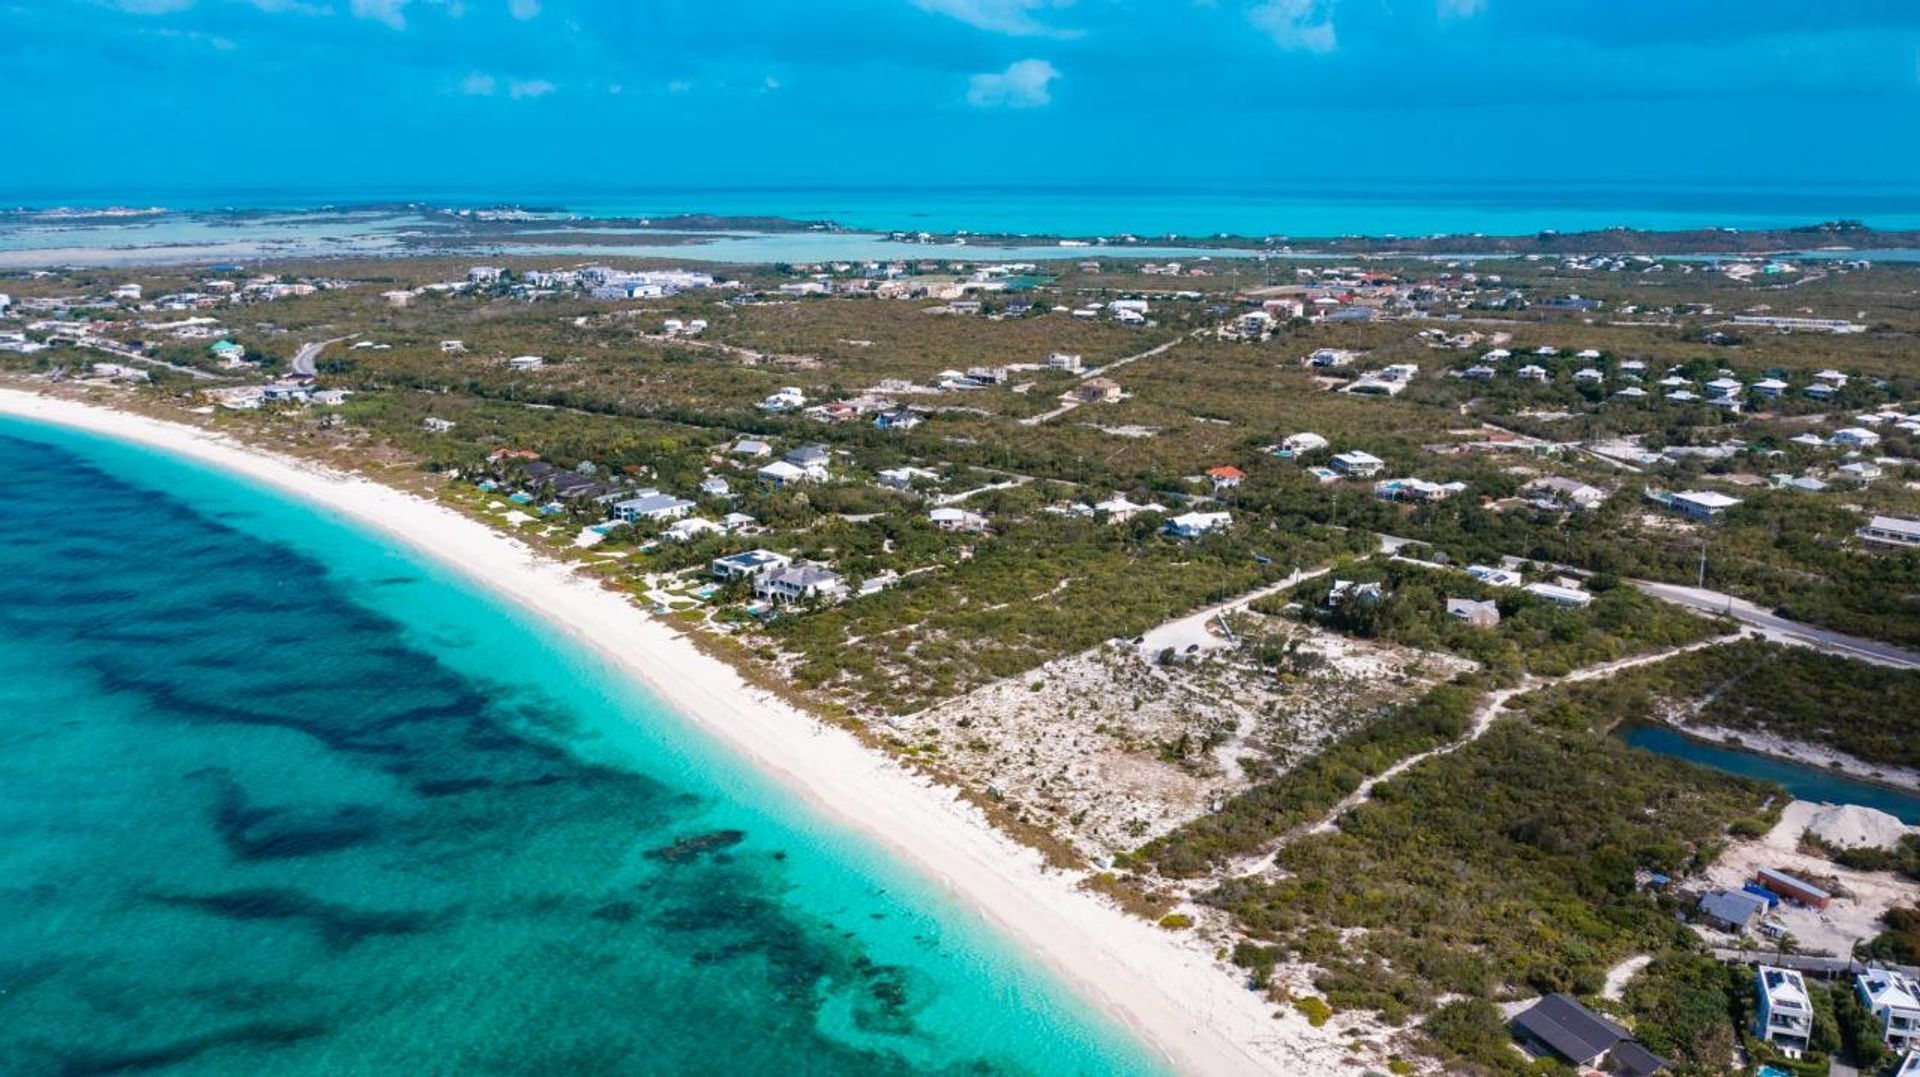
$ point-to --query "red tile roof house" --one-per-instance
(1226, 476)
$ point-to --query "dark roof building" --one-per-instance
(1561, 1026)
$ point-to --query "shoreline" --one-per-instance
(1181, 1005)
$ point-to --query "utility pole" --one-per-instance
(1703, 563)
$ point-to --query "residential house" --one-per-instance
(1117, 509)
(1194, 524)
(1786, 1012)
(437, 426)
(227, 351)
(715, 486)
(1345, 591)
(691, 528)
(811, 457)
(1631, 392)
(1733, 911)
(1476, 614)
(526, 362)
(1533, 373)
(781, 473)
(948, 518)
(1855, 437)
(1891, 531)
(1701, 504)
(751, 448)
(1561, 493)
(1861, 471)
(1894, 1000)
(651, 505)
(1495, 577)
(1299, 444)
(1226, 477)
(749, 563)
(1770, 388)
(1560, 1027)
(1097, 391)
(1357, 464)
(1417, 490)
(787, 399)
(898, 419)
(1587, 375)
(903, 478)
(1567, 597)
(1328, 358)
(798, 583)
(1064, 362)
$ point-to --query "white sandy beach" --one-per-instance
(1174, 997)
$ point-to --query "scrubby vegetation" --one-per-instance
(1501, 869)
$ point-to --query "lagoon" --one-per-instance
(1816, 784)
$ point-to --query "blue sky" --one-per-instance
(235, 94)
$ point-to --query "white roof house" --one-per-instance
(797, 583)
(526, 362)
(1118, 508)
(1494, 577)
(1355, 462)
(1786, 1012)
(949, 518)
(787, 399)
(1856, 437)
(653, 506)
(1570, 597)
(692, 528)
(1891, 531)
(751, 447)
(1303, 443)
(1702, 503)
(1894, 1000)
(781, 473)
(1194, 524)
(747, 563)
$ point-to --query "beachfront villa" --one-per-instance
(1785, 1018)
(1894, 1000)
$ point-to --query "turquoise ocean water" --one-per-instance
(280, 797)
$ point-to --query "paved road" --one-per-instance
(303, 360)
(1779, 628)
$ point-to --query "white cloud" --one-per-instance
(679, 86)
(517, 88)
(523, 9)
(392, 13)
(1013, 17)
(478, 85)
(1306, 25)
(1460, 9)
(1025, 84)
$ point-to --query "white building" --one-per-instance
(798, 583)
(749, 563)
(1358, 464)
(651, 506)
(1786, 1013)
(956, 519)
(787, 399)
(1570, 597)
(1298, 444)
(526, 362)
(1894, 1000)
(1891, 531)
(1701, 504)
(1194, 524)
